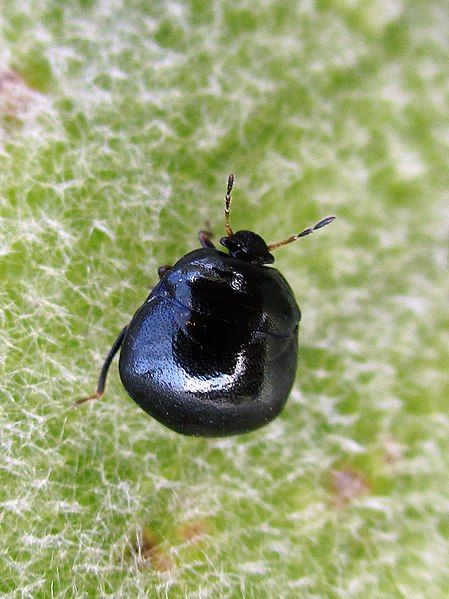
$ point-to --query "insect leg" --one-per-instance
(205, 237)
(163, 270)
(105, 369)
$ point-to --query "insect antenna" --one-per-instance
(228, 201)
(308, 231)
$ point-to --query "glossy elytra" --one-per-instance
(213, 349)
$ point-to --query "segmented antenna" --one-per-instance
(308, 231)
(228, 201)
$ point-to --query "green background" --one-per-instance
(119, 122)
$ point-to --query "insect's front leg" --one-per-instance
(105, 369)
(205, 237)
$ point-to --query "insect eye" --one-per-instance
(230, 243)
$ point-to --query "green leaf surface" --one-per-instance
(119, 122)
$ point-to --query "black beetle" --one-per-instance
(213, 349)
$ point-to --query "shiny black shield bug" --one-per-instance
(213, 349)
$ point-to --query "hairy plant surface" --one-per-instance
(119, 122)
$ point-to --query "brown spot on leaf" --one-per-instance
(348, 485)
(147, 551)
(8, 77)
(392, 450)
(194, 531)
(17, 99)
